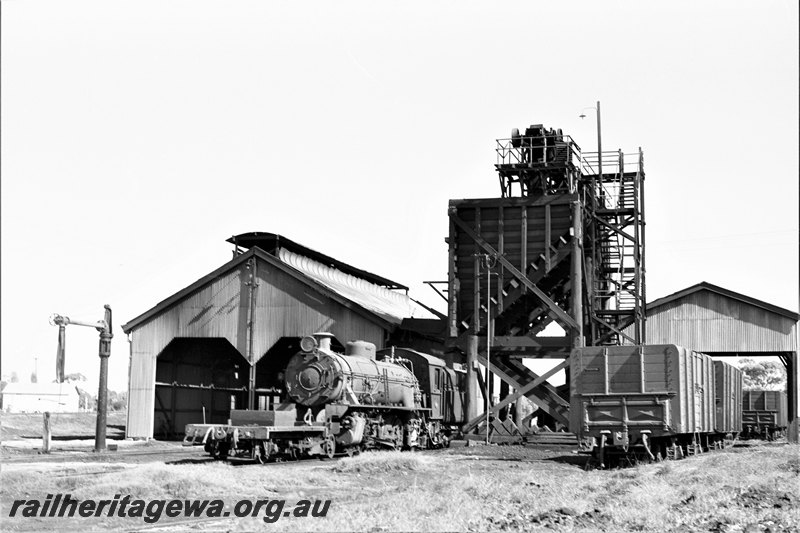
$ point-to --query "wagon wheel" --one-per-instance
(674, 451)
(220, 452)
(649, 448)
(260, 452)
(660, 451)
(329, 447)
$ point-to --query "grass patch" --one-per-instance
(382, 463)
(62, 425)
(753, 488)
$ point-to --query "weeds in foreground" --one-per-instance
(390, 491)
(381, 463)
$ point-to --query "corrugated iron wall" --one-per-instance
(708, 322)
(728, 389)
(284, 307)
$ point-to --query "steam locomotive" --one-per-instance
(345, 403)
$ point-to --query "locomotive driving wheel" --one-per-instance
(352, 451)
(397, 433)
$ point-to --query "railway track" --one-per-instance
(167, 456)
(131, 456)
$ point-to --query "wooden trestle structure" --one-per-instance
(563, 243)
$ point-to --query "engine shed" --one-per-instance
(723, 323)
(222, 342)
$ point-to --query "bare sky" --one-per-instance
(137, 136)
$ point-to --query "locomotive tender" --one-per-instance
(655, 402)
(344, 403)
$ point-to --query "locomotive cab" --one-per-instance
(442, 387)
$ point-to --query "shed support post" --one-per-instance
(793, 389)
(251, 319)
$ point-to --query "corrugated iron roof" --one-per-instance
(391, 305)
(271, 242)
(386, 307)
(705, 286)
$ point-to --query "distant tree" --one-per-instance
(14, 377)
(117, 401)
(762, 375)
(34, 377)
(85, 401)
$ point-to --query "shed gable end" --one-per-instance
(708, 321)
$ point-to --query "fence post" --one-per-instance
(46, 433)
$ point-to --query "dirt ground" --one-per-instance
(752, 487)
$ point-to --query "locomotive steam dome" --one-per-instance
(316, 375)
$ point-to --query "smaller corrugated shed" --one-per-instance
(710, 319)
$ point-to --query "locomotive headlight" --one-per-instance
(308, 343)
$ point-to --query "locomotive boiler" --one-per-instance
(317, 376)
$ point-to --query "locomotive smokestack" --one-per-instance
(324, 340)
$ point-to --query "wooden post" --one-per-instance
(576, 274)
(46, 436)
(522, 410)
(793, 388)
(504, 392)
(524, 251)
(453, 284)
(471, 397)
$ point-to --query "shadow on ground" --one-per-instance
(198, 461)
(575, 460)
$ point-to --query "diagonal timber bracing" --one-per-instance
(588, 208)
